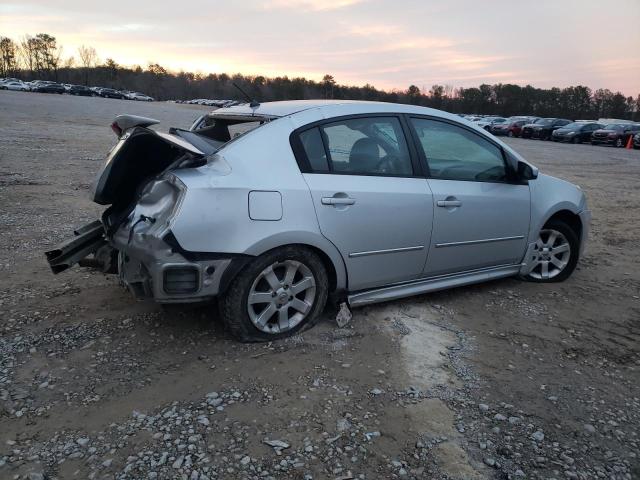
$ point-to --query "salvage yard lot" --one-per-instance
(501, 380)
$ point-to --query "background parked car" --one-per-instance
(576, 132)
(489, 122)
(510, 128)
(616, 134)
(48, 87)
(138, 96)
(543, 128)
(111, 93)
(17, 85)
(4, 81)
(80, 90)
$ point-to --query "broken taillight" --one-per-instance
(116, 129)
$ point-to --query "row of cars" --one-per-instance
(562, 130)
(45, 86)
(210, 102)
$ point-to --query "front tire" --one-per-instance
(619, 143)
(556, 253)
(279, 294)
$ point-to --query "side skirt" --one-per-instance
(432, 284)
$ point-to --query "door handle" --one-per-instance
(338, 201)
(449, 203)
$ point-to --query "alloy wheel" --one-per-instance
(281, 296)
(552, 253)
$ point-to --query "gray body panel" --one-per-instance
(366, 232)
(392, 241)
(490, 227)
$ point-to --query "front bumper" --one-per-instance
(563, 138)
(603, 140)
(151, 268)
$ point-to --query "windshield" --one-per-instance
(544, 121)
(574, 126)
(614, 126)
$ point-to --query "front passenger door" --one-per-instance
(480, 219)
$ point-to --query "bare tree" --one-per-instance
(88, 59)
(28, 53)
(8, 57)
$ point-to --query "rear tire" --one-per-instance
(279, 294)
(557, 251)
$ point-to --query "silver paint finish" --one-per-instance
(352, 220)
(388, 213)
(440, 282)
(266, 206)
(486, 211)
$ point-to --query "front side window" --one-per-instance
(454, 153)
(370, 146)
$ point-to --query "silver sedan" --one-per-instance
(273, 208)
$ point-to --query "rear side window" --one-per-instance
(358, 146)
(314, 148)
(454, 153)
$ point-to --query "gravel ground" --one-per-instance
(500, 380)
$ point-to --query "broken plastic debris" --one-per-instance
(344, 315)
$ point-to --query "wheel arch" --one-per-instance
(328, 253)
(570, 218)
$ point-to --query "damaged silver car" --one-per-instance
(273, 208)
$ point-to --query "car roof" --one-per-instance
(326, 109)
(279, 109)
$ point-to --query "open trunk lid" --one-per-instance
(142, 154)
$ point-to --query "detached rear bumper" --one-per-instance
(89, 239)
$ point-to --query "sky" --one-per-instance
(390, 44)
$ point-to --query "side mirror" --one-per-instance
(526, 171)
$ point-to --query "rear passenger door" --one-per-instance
(369, 197)
(481, 218)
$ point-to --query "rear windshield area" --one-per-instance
(223, 130)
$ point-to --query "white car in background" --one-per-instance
(139, 96)
(15, 85)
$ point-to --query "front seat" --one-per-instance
(364, 156)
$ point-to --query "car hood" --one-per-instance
(567, 130)
(604, 130)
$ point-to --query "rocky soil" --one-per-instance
(501, 380)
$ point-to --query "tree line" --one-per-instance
(41, 57)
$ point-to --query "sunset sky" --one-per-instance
(390, 44)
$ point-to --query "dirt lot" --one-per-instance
(501, 380)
